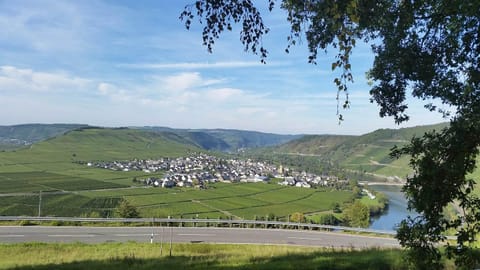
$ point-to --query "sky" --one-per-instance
(133, 63)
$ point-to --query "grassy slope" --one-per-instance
(94, 144)
(369, 152)
(192, 256)
(48, 166)
(313, 144)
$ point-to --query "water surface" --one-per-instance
(397, 209)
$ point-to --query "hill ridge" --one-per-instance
(367, 153)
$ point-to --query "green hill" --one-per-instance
(18, 136)
(54, 165)
(366, 153)
(313, 144)
(104, 144)
(58, 154)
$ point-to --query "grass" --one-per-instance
(131, 255)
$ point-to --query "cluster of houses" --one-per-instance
(200, 169)
(307, 180)
(13, 141)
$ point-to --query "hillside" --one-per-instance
(16, 136)
(366, 153)
(313, 144)
(70, 187)
(52, 165)
(110, 144)
(93, 144)
(226, 139)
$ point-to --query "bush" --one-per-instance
(297, 217)
(329, 219)
(126, 210)
(26, 223)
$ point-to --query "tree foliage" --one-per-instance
(297, 217)
(328, 219)
(429, 49)
(357, 215)
(126, 210)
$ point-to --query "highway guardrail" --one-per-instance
(208, 222)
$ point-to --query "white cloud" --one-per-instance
(184, 81)
(14, 79)
(223, 94)
(113, 92)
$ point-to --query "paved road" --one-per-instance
(12, 234)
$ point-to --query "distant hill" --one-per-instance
(103, 144)
(226, 139)
(16, 136)
(366, 153)
(313, 144)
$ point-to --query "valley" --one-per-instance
(88, 171)
(57, 167)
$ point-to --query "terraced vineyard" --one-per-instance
(245, 201)
(45, 181)
(366, 153)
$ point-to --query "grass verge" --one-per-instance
(192, 256)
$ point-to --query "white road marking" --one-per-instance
(305, 238)
(194, 234)
(12, 235)
(133, 234)
(70, 235)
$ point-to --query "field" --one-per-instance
(72, 189)
(242, 201)
(192, 256)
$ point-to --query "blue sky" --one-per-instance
(133, 63)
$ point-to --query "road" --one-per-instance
(15, 234)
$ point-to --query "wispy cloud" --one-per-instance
(13, 79)
(199, 65)
(185, 80)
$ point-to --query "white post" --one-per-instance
(40, 204)
(153, 230)
(161, 241)
(171, 236)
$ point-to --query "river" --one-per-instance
(397, 208)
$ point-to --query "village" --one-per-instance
(200, 169)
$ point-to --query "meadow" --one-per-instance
(39, 256)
